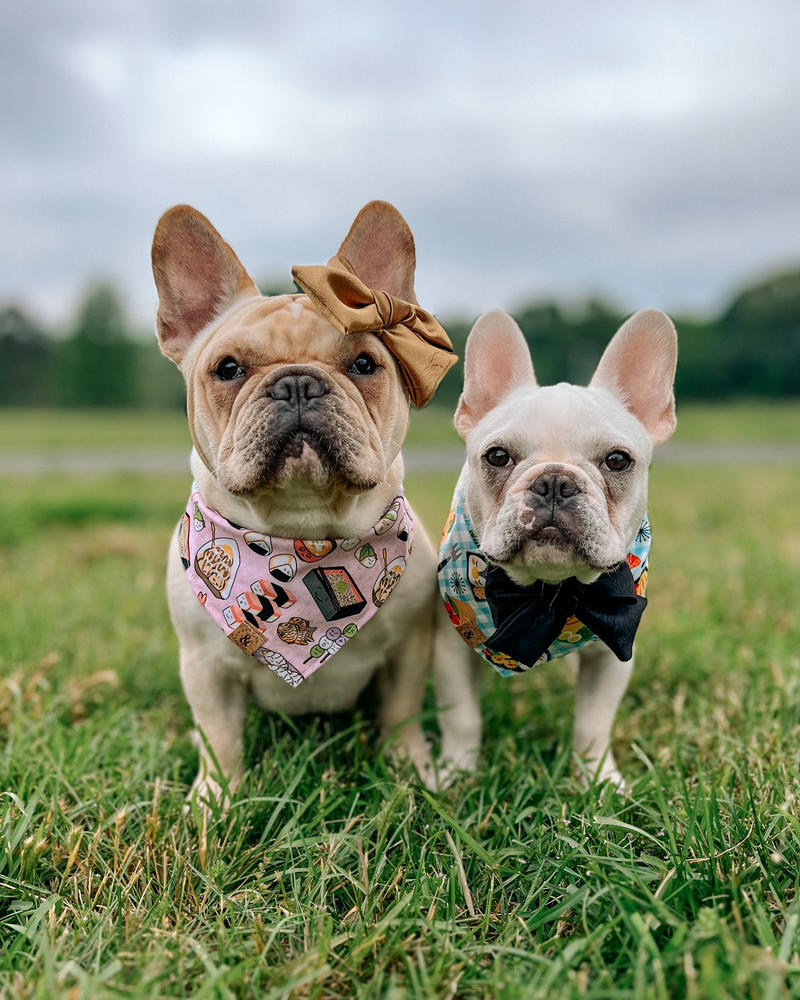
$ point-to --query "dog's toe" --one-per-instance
(209, 795)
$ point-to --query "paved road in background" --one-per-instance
(417, 460)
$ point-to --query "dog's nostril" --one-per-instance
(542, 486)
(297, 388)
(568, 488)
(311, 387)
(279, 389)
(551, 485)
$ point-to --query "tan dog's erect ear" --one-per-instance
(381, 249)
(496, 362)
(197, 276)
(639, 367)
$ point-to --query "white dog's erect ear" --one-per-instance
(197, 276)
(381, 249)
(639, 367)
(496, 361)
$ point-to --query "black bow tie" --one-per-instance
(529, 619)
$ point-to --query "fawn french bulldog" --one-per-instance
(297, 572)
(545, 549)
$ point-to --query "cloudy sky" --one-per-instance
(649, 152)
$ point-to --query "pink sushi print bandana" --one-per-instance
(291, 603)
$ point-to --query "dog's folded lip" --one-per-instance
(548, 533)
(296, 441)
(302, 451)
(551, 535)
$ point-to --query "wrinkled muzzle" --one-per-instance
(299, 425)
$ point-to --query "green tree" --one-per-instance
(760, 337)
(25, 360)
(97, 363)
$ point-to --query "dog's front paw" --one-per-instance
(450, 769)
(410, 746)
(210, 795)
(602, 771)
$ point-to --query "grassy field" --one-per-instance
(52, 431)
(334, 876)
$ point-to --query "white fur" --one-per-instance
(628, 406)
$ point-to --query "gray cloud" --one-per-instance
(651, 154)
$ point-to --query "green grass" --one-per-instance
(82, 430)
(61, 430)
(335, 877)
(764, 421)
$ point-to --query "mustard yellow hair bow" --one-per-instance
(415, 338)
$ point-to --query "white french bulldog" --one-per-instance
(297, 428)
(548, 531)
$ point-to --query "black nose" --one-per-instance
(297, 389)
(552, 486)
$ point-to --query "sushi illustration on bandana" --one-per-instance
(292, 603)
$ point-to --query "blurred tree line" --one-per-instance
(100, 361)
(750, 349)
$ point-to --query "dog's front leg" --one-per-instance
(401, 687)
(602, 680)
(218, 701)
(457, 673)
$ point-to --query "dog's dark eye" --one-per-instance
(229, 369)
(363, 365)
(498, 457)
(617, 461)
